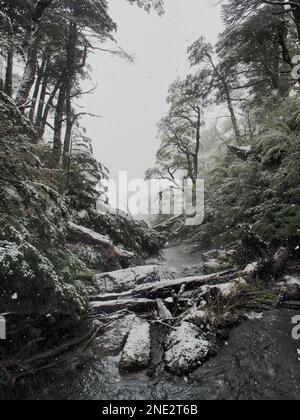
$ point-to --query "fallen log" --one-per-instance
(169, 225)
(135, 305)
(164, 288)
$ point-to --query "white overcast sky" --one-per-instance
(131, 98)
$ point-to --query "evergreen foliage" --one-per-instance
(264, 191)
(34, 265)
(252, 178)
(132, 235)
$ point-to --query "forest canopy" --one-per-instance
(74, 271)
(48, 173)
(249, 157)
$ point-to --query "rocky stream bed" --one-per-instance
(163, 337)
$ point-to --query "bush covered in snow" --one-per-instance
(35, 268)
(91, 258)
(132, 235)
(262, 192)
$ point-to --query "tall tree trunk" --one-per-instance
(282, 39)
(196, 157)
(296, 14)
(8, 87)
(198, 143)
(41, 100)
(58, 126)
(42, 119)
(32, 51)
(230, 106)
(68, 134)
(232, 115)
(37, 88)
(71, 72)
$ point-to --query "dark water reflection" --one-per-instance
(259, 362)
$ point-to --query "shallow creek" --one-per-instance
(259, 361)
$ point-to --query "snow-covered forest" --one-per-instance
(161, 298)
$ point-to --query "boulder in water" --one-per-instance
(212, 266)
(136, 353)
(186, 348)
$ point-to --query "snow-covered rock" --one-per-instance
(196, 315)
(186, 348)
(136, 353)
(212, 266)
(124, 280)
(219, 255)
(246, 148)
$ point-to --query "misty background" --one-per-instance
(131, 98)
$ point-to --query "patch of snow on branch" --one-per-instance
(93, 235)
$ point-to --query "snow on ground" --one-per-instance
(253, 316)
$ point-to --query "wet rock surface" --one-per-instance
(260, 362)
(150, 357)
